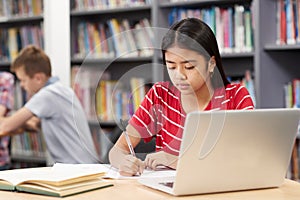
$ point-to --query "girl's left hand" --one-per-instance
(160, 158)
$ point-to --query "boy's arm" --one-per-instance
(33, 124)
(12, 123)
(2, 111)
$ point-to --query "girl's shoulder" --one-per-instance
(234, 86)
(165, 86)
(236, 89)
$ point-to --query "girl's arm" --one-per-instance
(120, 157)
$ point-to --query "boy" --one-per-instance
(63, 122)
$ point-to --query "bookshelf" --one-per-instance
(271, 65)
(148, 67)
(21, 23)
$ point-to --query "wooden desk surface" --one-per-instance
(132, 190)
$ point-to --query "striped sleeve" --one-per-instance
(242, 98)
(145, 119)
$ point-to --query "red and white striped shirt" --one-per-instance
(161, 115)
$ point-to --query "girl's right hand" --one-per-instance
(131, 165)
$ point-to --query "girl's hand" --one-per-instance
(160, 158)
(131, 166)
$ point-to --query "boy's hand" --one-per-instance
(160, 158)
(131, 166)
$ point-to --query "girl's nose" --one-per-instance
(181, 74)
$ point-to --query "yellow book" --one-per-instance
(60, 180)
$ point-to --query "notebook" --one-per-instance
(231, 151)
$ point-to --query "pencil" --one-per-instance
(127, 138)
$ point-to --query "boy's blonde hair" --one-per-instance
(33, 60)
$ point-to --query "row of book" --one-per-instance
(113, 39)
(13, 39)
(105, 99)
(292, 93)
(248, 81)
(102, 4)
(20, 8)
(231, 25)
(114, 102)
(288, 22)
(28, 144)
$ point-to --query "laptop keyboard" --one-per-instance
(168, 184)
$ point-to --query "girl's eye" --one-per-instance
(171, 66)
(189, 67)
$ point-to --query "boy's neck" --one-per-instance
(51, 80)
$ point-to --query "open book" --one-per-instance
(60, 180)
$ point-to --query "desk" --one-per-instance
(132, 190)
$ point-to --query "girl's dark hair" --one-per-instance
(195, 35)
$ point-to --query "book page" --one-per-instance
(16, 176)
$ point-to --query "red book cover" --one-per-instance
(282, 22)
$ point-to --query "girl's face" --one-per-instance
(188, 70)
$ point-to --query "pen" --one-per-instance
(123, 125)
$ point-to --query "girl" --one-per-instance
(198, 83)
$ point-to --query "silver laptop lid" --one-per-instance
(235, 150)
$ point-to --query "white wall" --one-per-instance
(57, 37)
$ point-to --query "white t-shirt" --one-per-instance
(63, 124)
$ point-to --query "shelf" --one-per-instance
(95, 122)
(109, 60)
(6, 20)
(5, 64)
(201, 3)
(24, 158)
(274, 47)
(238, 55)
(109, 11)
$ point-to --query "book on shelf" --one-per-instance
(28, 144)
(84, 81)
(232, 25)
(92, 5)
(20, 8)
(15, 38)
(288, 22)
(138, 91)
(114, 38)
(248, 81)
(292, 93)
(59, 180)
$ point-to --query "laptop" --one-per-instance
(232, 150)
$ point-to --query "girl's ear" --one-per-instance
(211, 64)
